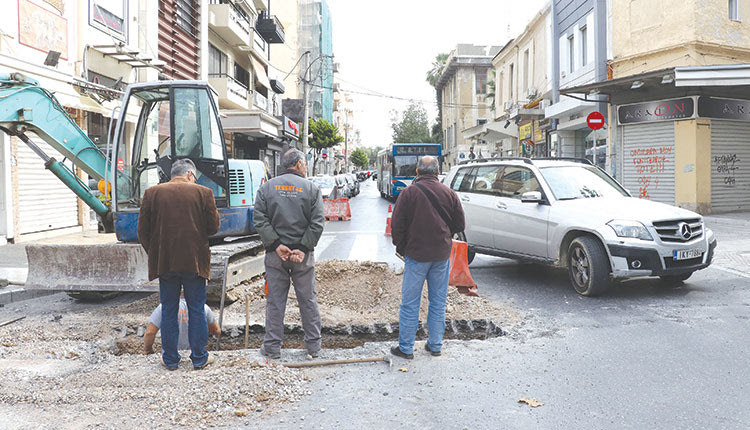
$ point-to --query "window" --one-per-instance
(481, 121)
(481, 81)
(526, 71)
(186, 16)
(241, 75)
(516, 181)
(463, 179)
(734, 13)
(584, 46)
(571, 54)
(510, 83)
(217, 61)
(487, 180)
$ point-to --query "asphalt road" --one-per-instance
(643, 356)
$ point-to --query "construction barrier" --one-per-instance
(460, 277)
(388, 221)
(337, 210)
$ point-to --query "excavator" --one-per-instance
(158, 123)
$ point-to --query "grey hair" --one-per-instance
(182, 167)
(291, 157)
(427, 165)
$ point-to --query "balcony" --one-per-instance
(232, 93)
(270, 28)
(230, 23)
(260, 101)
(259, 45)
(261, 4)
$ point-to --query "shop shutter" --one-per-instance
(648, 161)
(44, 203)
(730, 166)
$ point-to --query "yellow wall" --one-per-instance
(693, 164)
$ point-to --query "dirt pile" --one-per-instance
(351, 292)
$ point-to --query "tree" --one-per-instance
(490, 96)
(359, 158)
(412, 127)
(372, 154)
(324, 135)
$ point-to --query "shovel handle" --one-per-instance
(331, 362)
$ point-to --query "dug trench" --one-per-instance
(358, 301)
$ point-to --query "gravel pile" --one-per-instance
(65, 369)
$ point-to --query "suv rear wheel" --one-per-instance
(587, 266)
(470, 254)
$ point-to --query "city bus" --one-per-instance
(397, 166)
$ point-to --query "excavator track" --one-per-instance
(95, 272)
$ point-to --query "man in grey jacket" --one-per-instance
(289, 218)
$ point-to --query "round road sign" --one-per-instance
(595, 120)
(324, 156)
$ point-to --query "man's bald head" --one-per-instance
(427, 165)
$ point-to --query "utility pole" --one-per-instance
(346, 147)
(306, 90)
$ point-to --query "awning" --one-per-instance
(492, 131)
(252, 123)
(260, 74)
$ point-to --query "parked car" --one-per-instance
(327, 184)
(573, 215)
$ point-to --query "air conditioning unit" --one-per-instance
(531, 93)
(509, 105)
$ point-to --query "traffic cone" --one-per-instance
(388, 221)
(460, 277)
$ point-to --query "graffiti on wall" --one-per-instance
(648, 164)
(726, 165)
(41, 29)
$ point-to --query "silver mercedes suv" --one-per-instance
(570, 214)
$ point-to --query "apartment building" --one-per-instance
(463, 86)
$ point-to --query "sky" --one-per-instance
(388, 46)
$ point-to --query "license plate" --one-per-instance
(686, 254)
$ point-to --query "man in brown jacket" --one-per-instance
(426, 216)
(174, 224)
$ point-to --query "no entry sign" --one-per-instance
(324, 156)
(595, 120)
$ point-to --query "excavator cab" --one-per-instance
(174, 120)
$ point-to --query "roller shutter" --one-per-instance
(44, 203)
(648, 161)
(730, 166)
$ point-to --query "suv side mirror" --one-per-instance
(532, 197)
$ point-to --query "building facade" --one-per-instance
(678, 98)
(463, 87)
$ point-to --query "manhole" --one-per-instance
(336, 337)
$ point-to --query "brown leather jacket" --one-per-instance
(417, 229)
(174, 224)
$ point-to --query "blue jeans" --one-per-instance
(415, 273)
(194, 287)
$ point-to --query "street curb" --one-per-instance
(14, 293)
(727, 221)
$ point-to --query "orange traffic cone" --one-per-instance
(388, 222)
(460, 277)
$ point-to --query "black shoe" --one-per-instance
(433, 353)
(272, 355)
(398, 353)
(313, 354)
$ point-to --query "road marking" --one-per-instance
(323, 244)
(732, 271)
(363, 247)
(333, 233)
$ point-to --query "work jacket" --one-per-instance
(289, 210)
(417, 229)
(174, 224)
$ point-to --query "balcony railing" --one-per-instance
(230, 22)
(233, 94)
(270, 28)
(260, 101)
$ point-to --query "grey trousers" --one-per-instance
(278, 275)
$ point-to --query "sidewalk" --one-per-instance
(732, 232)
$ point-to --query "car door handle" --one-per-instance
(502, 206)
(464, 198)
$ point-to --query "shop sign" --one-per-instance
(712, 107)
(108, 19)
(290, 127)
(524, 131)
(663, 110)
(42, 29)
(57, 4)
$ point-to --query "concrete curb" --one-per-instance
(726, 221)
(15, 293)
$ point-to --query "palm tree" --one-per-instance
(433, 75)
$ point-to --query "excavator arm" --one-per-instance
(27, 107)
